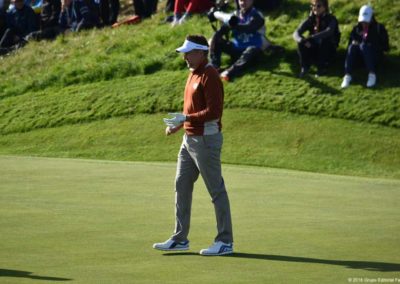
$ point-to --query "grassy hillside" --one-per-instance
(101, 74)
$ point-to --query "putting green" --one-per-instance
(90, 221)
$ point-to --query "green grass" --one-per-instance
(87, 221)
(260, 138)
(101, 94)
(134, 69)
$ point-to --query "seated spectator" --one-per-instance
(3, 23)
(169, 6)
(184, 8)
(247, 26)
(109, 10)
(77, 15)
(264, 5)
(368, 42)
(323, 38)
(49, 21)
(21, 21)
(143, 9)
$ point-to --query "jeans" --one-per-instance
(361, 52)
(321, 53)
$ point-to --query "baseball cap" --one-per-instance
(189, 46)
(365, 14)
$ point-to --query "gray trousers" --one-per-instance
(201, 154)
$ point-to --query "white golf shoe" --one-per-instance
(346, 81)
(371, 80)
(171, 245)
(218, 248)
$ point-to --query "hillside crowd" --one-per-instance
(241, 34)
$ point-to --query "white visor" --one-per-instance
(189, 46)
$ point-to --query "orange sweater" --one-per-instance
(203, 101)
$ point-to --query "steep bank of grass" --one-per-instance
(252, 137)
(108, 73)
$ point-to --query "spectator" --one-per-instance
(184, 8)
(49, 21)
(21, 21)
(77, 15)
(143, 9)
(249, 41)
(368, 41)
(264, 5)
(169, 6)
(3, 23)
(322, 41)
(109, 10)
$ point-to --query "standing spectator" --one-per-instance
(3, 23)
(77, 15)
(21, 21)
(249, 41)
(184, 8)
(368, 41)
(323, 38)
(200, 152)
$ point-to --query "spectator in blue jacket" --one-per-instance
(368, 42)
(247, 26)
(77, 15)
(21, 21)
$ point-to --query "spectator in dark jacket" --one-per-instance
(109, 10)
(368, 42)
(77, 15)
(323, 37)
(143, 9)
(3, 23)
(21, 21)
(49, 21)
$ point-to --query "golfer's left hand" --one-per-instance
(176, 120)
(171, 130)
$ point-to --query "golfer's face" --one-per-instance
(193, 58)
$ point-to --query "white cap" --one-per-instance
(365, 14)
(189, 46)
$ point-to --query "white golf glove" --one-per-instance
(176, 120)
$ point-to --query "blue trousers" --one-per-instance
(363, 52)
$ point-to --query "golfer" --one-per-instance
(200, 152)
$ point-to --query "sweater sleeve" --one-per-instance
(298, 33)
(214, 97)
(327, 32)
